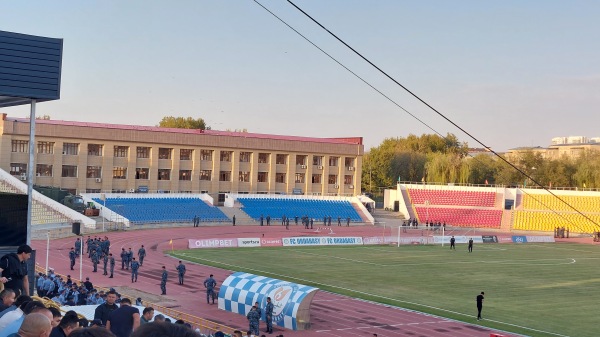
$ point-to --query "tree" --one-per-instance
(482, 168)
(183, 123)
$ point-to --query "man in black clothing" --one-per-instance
(470, 245)
(479, 305)
(67, 324)
(452, 243)
(13, 270)
(124, 320)
(103, 310)
(87, 284)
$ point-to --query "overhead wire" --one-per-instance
(489, 149)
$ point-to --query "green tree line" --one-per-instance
(432, 158)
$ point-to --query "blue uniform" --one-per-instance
(210, 285)
(253, 320)
(141, 255)
(181, 272)
(269, 316)
(134, 271)
(163, 282)
(72, 257)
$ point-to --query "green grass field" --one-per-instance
(532, 289)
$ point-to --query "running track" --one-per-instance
(332, 315)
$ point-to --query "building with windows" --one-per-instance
(96, 157)
(571, 147)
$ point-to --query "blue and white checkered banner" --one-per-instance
(291, 301)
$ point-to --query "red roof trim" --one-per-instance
(345, 140)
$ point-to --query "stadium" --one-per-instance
(283, 216)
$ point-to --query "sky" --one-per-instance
(511, 73)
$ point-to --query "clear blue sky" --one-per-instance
(513, 73)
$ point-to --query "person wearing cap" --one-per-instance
(13, 269)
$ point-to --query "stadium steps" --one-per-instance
(358, 210)
(499, 203)
(241, 218)
(507, 220)
(409, 206)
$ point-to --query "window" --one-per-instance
(226, 155)
(263, 177)
(94, 172)
(280, 177)
(185, 174)
(43, 170)
(186, 154)
(206, 175)
(245, 177)
(206, 155)
(164, 153)
(225, 176)
(300, 178)
(69, 171)
(348, 179)
(301, 159)
(143, 152)
(316, 178)
(71, 149)
(20, 146)
(142, 173)
(332, 179)
(245, 157)
(263, 158)
(16, 169)
(119, 172)
(164, 174)
(92, 190)
(349, 162)
(333, 161)
(94, 149)
(281, 159)
(45, 147)
(318, 160)
(121, 151)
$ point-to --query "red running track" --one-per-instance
(332, 315)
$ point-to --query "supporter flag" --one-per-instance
(486, 182)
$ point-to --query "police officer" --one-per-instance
(111, 260)
(106, 245)
(180, 272)
(253, 320)
(134, 269)
(105, 262)
(268, 220)
(123, 258)
(269, 315)
(95, 260)
(129, 258)
(470, 248)
(210, 285)
(142, 255)
(348, 222)
(72, 256)
(78, 246)
(163, 280)
(453, 243)
(13, 270)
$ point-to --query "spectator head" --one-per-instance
(7, 296)
(35, 325)
(95, 331)
(22, 300)
(179, 321)
(69, 322)
(167, 320)
(219, 334)
(125, 301)
(84, 323)
(96, 322)
(237, 333)
(148, 313)
(211, 275)
(159, 318)
(111, 297)
(24, 249)
(32, 305)
(56, 316)
(155, 329)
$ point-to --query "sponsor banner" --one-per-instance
(404, 240)
(458, 239)
(489, 238)
(379, 240)
(248, 242)
(212, 243)
(540, 238)
(269, 242)
(505, 239)
(322, 241)
(519, 239)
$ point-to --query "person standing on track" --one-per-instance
(123, 258)
(111, 260)
(72, 257)
(134, 270)
(470, 245)
(253, 320)
(141, 255)
(452, 243)
(180, 272)
(269, 315)
(105, 263)
(78, 246)
(163, 280)
(210, 285)
(479, 300)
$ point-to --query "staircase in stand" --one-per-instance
(241, 218)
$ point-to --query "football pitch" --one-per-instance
(534, 289)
